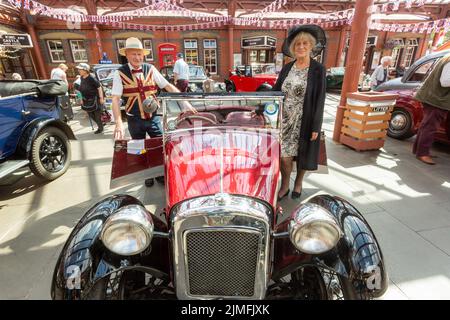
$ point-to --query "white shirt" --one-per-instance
(117, 87)
(445, 76)
(378, 75)
(58, 74)
(182, 69)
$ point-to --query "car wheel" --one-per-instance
(312, 283)
(50, 154)
(230, 87)
(400, 125)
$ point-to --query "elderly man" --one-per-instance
(59, 73)
(381, 73)
(133, 82)
(181, 73)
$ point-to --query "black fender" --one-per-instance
(264, 87)
(84, 259)
(31, 131)
(229, 82)
(357, 256)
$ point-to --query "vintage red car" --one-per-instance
(407, 116)
(222, 235)
(251, 78)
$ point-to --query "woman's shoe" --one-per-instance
(296, 195)
(280, 198)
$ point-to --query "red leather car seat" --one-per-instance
(188, 119)
(245, 118)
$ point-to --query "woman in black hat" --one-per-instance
(303, 83)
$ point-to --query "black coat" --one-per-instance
(313, 104)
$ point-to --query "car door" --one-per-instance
(136, 160)
(11, 124)
(418, 73)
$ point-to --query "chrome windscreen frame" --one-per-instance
(225, 213)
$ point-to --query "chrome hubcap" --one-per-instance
(398, 122)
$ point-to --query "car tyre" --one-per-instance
(50, 154)
(400, 125)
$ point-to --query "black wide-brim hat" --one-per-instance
(316, 31)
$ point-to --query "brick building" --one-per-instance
(59, 41)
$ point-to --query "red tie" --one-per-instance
(136, 71)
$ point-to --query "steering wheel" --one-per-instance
(188, 118)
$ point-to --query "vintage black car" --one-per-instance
(197, 79)
(221, 234)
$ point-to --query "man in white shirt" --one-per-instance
(181, 73)
(59, 73)
(134, 82)
(381, 73)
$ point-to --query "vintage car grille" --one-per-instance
(222, 262)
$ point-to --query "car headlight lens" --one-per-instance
(313, 229)
(128, 231)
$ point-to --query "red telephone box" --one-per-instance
(167, 54)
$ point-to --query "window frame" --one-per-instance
(51, 50)
(73, 50)
(210, 48)
(190, 49)
(152, 56)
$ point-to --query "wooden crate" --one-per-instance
(366, 120)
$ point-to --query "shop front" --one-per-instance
(258, 50)
(15, 55)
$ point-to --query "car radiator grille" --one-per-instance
(222, 263)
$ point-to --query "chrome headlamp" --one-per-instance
(313, 229)
(128, 231)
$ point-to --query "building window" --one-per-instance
(147, 43)
(120, 44)
(210, 54)
(410, 50)
(79, 53)
(56, 51)
(395, 56)
(191, 51)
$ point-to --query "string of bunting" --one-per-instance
(153, 6)
(422, 27)
(334, 19)
(392, 6)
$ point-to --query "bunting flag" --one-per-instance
(334, 19)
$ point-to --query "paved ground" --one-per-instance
(406, 202)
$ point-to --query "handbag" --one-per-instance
(322, 150)
(90, 105)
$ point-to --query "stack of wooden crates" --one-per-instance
(366, 119)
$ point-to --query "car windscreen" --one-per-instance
(106, 73)
(196, 72)
(223, 111)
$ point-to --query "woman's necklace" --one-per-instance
(301, 65)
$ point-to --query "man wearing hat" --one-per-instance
(181, 73)
(134, 82)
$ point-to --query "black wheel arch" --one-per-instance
(32, 130)
(85, 253)
(357, 256)
(264, 87)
